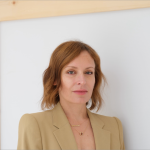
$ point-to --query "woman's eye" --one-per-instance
(70, 71)
(90, 72)
(86, 72)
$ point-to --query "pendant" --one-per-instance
(81, 133)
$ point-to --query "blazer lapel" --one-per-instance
(65, 136)
(63, 133)
(102, 137)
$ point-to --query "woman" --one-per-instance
(72, 78)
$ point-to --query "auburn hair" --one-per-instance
(61, 56)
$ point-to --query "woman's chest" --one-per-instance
(85, 141)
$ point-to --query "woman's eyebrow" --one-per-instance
(76, 67)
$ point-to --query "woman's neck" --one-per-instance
(74, 111)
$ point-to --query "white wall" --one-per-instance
(121, 38)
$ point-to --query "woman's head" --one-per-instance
(60, 81)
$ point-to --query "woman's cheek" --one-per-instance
(68, 81)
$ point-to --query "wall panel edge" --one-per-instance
(16, 10)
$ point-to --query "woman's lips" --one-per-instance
(80, 93)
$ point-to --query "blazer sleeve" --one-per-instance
(29, 136)
(122, 146)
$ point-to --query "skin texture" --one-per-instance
(72, 79)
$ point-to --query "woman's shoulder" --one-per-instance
(110, 122)
(36, 117)
(114, 126)
(108, 118)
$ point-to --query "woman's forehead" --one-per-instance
(83, 59)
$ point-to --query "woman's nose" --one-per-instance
(81, 79)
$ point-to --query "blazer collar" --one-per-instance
(65, 136)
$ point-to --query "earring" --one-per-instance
(57, 94)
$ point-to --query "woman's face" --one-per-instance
(79, 74)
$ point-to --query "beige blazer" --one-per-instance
(50, 130)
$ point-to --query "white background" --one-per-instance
(122, 40)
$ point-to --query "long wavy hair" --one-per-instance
(61, 56)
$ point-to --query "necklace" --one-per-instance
(80, 133)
